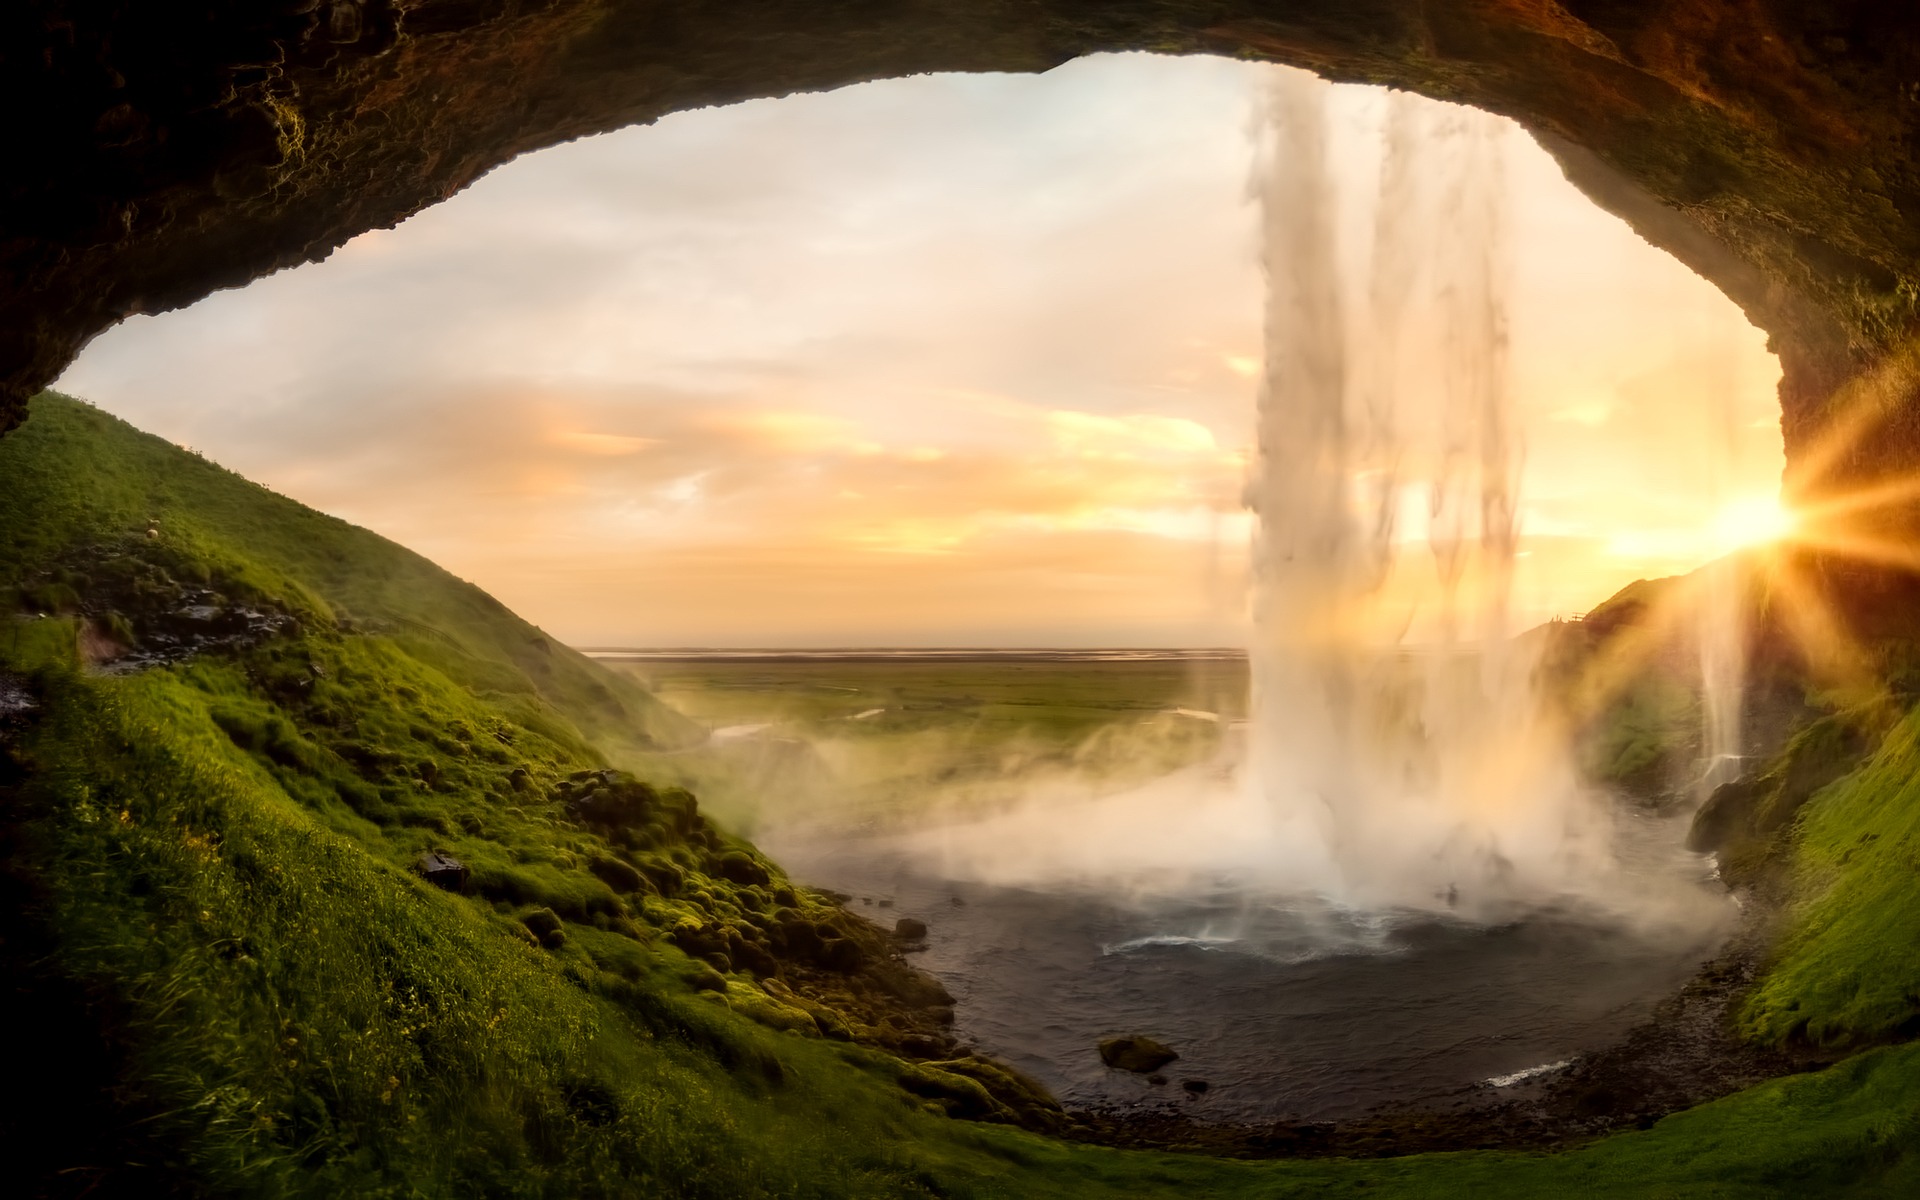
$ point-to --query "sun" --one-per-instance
(1750, 521)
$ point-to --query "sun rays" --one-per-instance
(1845, 527)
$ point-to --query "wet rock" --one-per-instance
(1195, 1087)
(909, 930)
(1141, 1055)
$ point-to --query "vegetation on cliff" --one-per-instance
(230, 726)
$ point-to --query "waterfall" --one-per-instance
(1394, 733)
(1719, 608)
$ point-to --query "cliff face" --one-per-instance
(155, 153)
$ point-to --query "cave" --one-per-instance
(156, 158)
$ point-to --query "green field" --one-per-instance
(227, 979)
(856, 740)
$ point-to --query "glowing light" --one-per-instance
(1751, 521)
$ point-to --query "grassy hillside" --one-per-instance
(81, 486)
(228, 728)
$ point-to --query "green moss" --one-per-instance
(220, 856)
(1848, 971)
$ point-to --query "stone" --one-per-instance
(909, 930)
(1141, 1055)
(444, 871)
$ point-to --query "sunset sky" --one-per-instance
(951, 360)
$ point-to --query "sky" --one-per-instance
(939, 361)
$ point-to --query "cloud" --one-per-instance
(929, 360)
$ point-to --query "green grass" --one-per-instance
(77, 478)
(946, 733)
(1848, 973)
(211, 913)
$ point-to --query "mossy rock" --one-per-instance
(620, 876)
(957, 1095)
(1025, 1097)
(757, 1005)
(736, 866)
(546, 926)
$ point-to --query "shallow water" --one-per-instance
(1290, 1008)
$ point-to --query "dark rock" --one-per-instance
(444, 871)
(1141, 1055)
(841, 954)
(749, 956)
(1194, 1087)
(920, 1045)
(608, 800)
(909, 930)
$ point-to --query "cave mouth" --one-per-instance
(502, 402)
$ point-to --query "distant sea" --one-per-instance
(912, 654)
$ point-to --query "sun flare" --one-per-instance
(1751, 521)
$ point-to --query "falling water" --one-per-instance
(1719, 612)
(1415, 769)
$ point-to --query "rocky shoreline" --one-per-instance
(1685, 1054)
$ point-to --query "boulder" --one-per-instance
(1141, 1055)
(443, 870)
(909, 930)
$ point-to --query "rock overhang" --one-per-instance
(158, 155)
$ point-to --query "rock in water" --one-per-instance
(1141, 1055)
(907, 929)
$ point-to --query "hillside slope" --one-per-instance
(230, 727)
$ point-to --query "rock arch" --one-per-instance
(155, 154)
